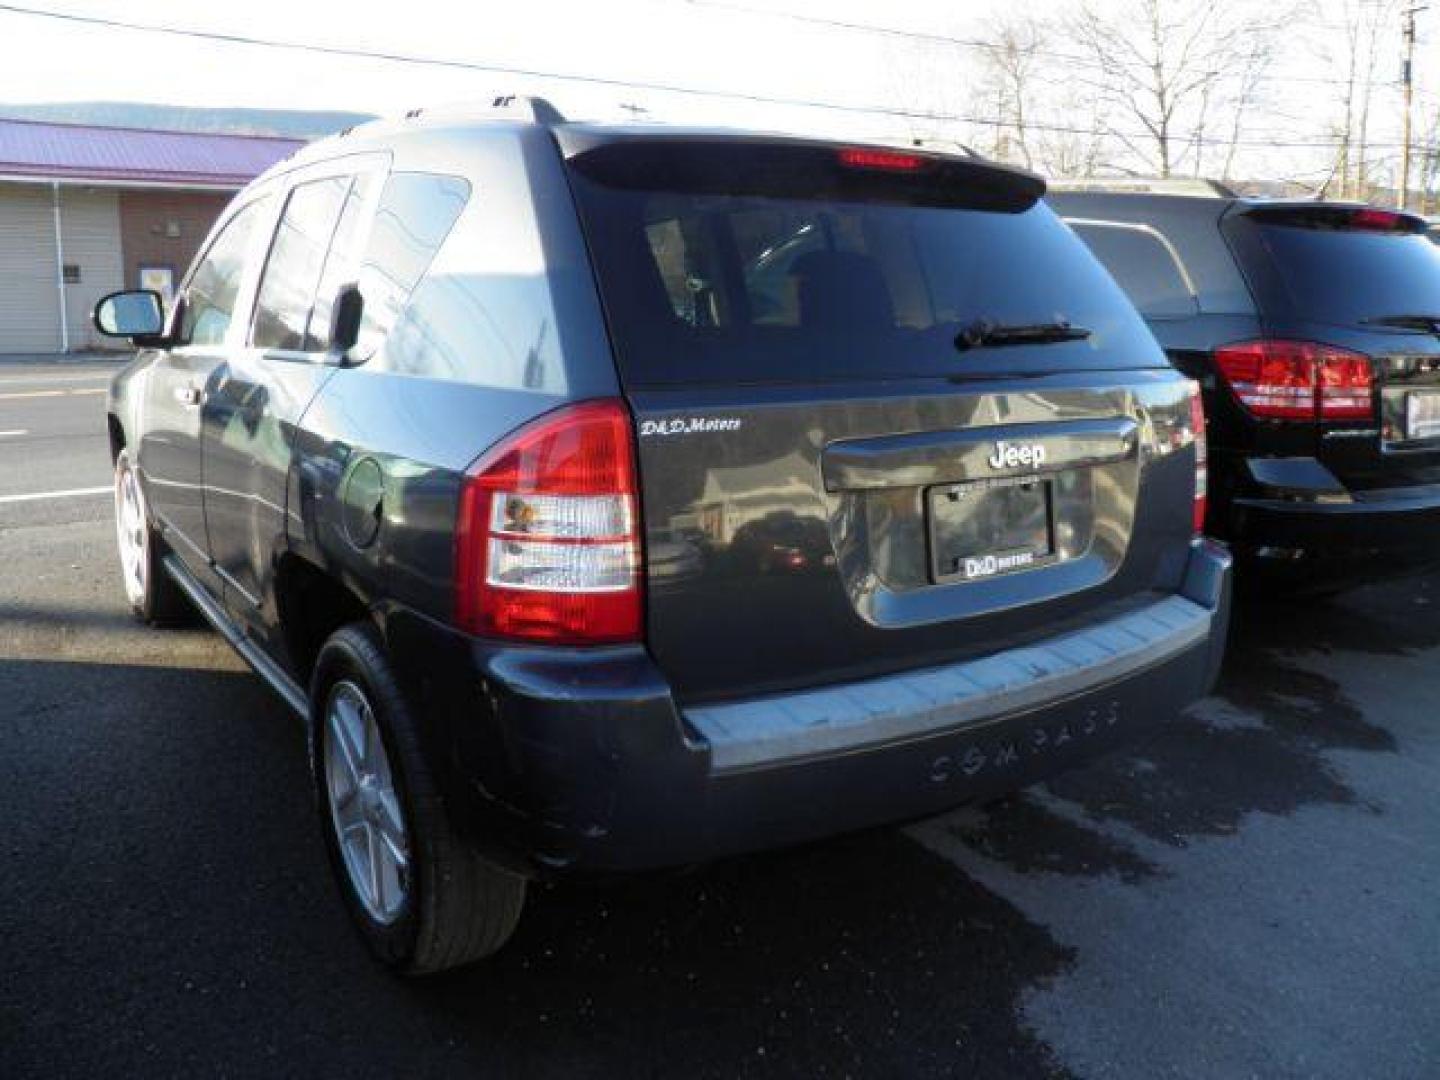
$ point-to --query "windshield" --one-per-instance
(703, 287)
(1346, 276)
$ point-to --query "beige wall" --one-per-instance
(164, 228)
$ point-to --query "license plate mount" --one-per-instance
(986, 528)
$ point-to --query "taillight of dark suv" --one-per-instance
(548, 541)
(1298, 380)
(1202, 458)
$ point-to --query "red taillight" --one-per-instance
(1274, 379)
(1344, 385)
(548, 542)
(1202, 476)
(856, 157)
(1298, 380)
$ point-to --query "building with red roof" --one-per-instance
(87, 210)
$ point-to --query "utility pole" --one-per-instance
(1407, 82)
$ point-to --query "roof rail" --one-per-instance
(540, 110)
(509, 106)
(1150, 185)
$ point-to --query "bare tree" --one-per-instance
(1252, 65)
(1134, 86)
(933, 89)
(1430, 164)
(1363, 25)
(1008, 82)
(1344, 131)
(1160, 66)
(1077, 148)
(1380, 13)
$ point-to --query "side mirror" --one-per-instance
(136, 315)
(345, 318)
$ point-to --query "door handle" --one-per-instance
(189, 396)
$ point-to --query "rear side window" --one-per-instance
(415, 214)
(1142, 265)
(342, 262)
(297, 256)
(705, 287)
(1342, 276)
(215, 284)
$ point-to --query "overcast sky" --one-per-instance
(736, 46)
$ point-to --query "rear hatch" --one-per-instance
(890, 411)
(1363, 284)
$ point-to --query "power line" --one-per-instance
(935, 38)
(892, 112)
(796, 16)
(446, 62)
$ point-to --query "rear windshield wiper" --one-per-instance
(987, 332)
(1426, 324)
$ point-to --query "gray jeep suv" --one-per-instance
(618, 497)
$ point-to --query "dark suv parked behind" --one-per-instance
(609, 498)
(1314, 329)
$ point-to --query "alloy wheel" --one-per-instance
(364, 807)
(130, 526)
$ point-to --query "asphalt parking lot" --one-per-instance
(1253, 891)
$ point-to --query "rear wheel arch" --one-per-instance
(311, 604)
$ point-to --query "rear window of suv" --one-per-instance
(1337, 275)
(703, 287)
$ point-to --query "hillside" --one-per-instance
(289, 123)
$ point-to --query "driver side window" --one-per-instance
(215, 285)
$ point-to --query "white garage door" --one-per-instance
(29, 306)
(91, 234)
(29, 298)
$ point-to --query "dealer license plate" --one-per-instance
(990, 527)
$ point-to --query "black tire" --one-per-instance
(152, 593)
(458, 907)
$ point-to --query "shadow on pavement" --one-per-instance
(167, 908)
(1261, 743)
(1392, 619)
(864, 955)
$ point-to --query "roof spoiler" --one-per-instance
(1337, 217)
(784, 167)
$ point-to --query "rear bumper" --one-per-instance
(570, 761)
(1335, 521)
